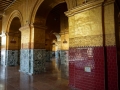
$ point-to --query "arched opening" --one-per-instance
(14, 43)
(56, 35)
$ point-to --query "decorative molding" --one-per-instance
(94, 40)
(84, 7)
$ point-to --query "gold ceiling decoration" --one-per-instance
(4, 4)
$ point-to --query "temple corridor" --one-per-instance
(59, 44)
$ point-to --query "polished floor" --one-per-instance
(12, 79)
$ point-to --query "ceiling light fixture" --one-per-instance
(13, 40)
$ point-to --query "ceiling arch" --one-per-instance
(42, 9)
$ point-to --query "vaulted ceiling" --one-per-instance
(4, 4)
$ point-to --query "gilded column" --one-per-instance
(86, 50)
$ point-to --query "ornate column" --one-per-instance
(86, 50)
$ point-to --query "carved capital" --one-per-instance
(25, 27)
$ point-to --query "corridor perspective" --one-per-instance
(59, 44)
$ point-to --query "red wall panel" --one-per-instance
(79, 59)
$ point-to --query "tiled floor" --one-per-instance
(12, 79)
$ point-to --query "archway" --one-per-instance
(14, 42)
(50, 21)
